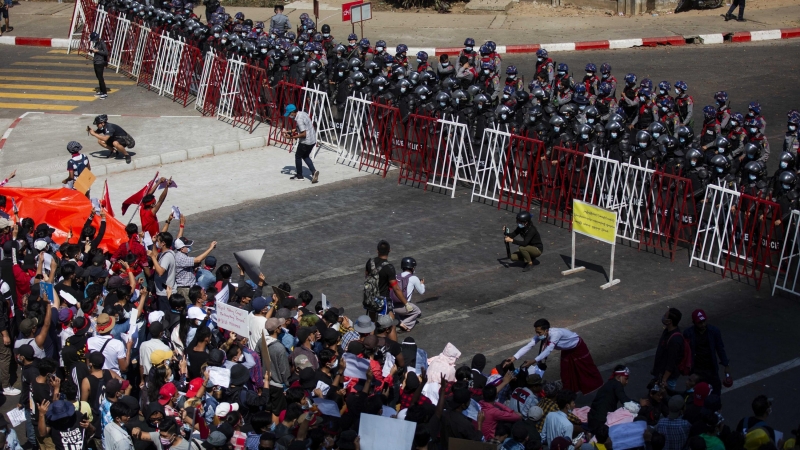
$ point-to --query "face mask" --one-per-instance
(402, 90)
(520, 225)
(614, 135)
(505, 96)
(326, 35)
(341, 74)
(786, 187)
(503, 116)
(335, 364)
(656, 135)
(753, 130)
(511, 77)
(720, 170)
(784, 165)
(641, 99)
(400, 77)
(419, 61)
(585, 137)
(664, 108)
(734, 123)
(263, 51)
(590, 120)
(792, 127)
(681, 140)
(662, 92)
(752, 177)
(486, 71)
(605, 75)
(561, 73)
(379, 49)
(296, 58)
(582, 107)
(642, 144)
(556, 129)
(351, 43)
(468, 49)
(445, 64)
(422, 97)
(589, 74)
(721, 149)
(165, 442)
(171, 378)
(443, 104)
(693, 162)
(313, 70)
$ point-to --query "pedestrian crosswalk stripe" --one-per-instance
(82, 73)
(60, 51)
(36, 87)
(55, 97)
(37, 106)
(51, 64)
(67, 57)
(67, 80)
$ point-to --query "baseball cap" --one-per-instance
(290, 108)
(159, 356)
(273, 323)
(283, 313)
(194, 387)
(301, 362)
(211, 261)
(259, 303)
(26, 351)
(165, 393)
(28, 325)
(535, 413)
(701, 392)
(196, 313)
(224, 408)
(698, 315)
(216, 439)
(179, 243)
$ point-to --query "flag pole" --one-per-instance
(149, 185)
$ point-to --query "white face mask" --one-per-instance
(468, 49)
(693, 163)
(614, 135)
(590, 120)
(677, 92)
(589, 74)
(326, 35)
(503, 116)
(605, 75)
(486, 71)
(786, 187)
(585, 137)
(313, 70)
(784, 165)
(753, 130)
(403, 90)
(720, 170)
(419, 61)
(540, 59)
(752, 177)
(556, 129)
(505, 96)
(561, 73)
(792, 127)
(721, 149)
(642, 144)
(341, 74)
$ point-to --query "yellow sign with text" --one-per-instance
(594, 221)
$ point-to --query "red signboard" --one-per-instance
(346, 9)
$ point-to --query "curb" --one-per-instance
(143, 162)
(705, 39)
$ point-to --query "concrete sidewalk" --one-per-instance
(36, 147)
(524, 24)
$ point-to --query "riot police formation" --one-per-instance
(636, 122)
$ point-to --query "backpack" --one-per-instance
(685, 366)
(403, 281)
(372, 294)
(80, 165)
(80, 343)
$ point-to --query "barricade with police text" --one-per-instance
(420, 140)
(670, 213)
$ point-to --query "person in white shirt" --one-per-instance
(116, 353)
(557, 424)
(258, 321)
(407, 313)
(578, 371)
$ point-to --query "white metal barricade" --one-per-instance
(602, 182)
(715, 227)
(630, 192)
(455, 159)
(168, 62)
(354, 137)
(318, 106)
(76, 25)
(490, 162)
(144, 35)
(99, 21)
(202, 86)
(118, 45)
(230, 89)
(788, 275)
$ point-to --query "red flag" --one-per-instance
(136, 198)
(105, 203)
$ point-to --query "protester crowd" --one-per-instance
(122, 350)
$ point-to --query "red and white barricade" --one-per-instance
(354, 139)
(630, 199)
(787, 278)
(670, 213)
(520, 178)
(454, 160)
(318, 106)
(752, 242)
(283, 94)
(420, 141)
(715, 229)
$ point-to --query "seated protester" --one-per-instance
(67, 428)
(762, 408)
(455, 423)
(609, 397)
(519, 436)
(8, 437)
(523, 398)
(556, 423)
(495, 412)
(411, 391)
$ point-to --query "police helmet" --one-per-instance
(591, 68)
(752, 151)
(460, 98)
(721, 163)
(422, 91)
(523, 217)
(408, 263)
(721, 97)
(787, 178)
(656, 129)
(755, 170)
(503, 113)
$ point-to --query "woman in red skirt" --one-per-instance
(578, 371)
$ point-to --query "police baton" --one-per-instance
(508, 246)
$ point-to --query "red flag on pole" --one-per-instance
(105, 203)
(136, 199)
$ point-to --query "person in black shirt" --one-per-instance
(30, 370)
(112, 137)
(608, 396)
(527, 237)
(762, 408)
(387, 279)
(66, 427)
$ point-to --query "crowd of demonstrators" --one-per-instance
(123, 350)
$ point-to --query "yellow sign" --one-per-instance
(594, 221)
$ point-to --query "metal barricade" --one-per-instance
(83, 17)
(520, 179)
(602, 181)
(283, 94)
(455, 160)
(670, 215)
(490, 164)
(376, 151)
(353, 138)
(147, 67)
(419, 146)
(240, 94)
(168, 64)
(119, 43)
(751, 243)
(186, 80)
(567, 171)
(715, 229)
(201, 102)
(145, 35)
(318, 106)
(788, 274)
(630, 193)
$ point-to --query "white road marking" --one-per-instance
(766, 373)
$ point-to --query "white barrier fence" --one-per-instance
(788, 275)
(318, 106)
(491, 159)
(168, 64)
(715, 227)
(118, 45)
(455, 160)
(354, 138)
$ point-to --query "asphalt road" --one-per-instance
(319, 239)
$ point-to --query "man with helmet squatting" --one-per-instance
(527, 237)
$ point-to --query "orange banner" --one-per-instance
(61, 209)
